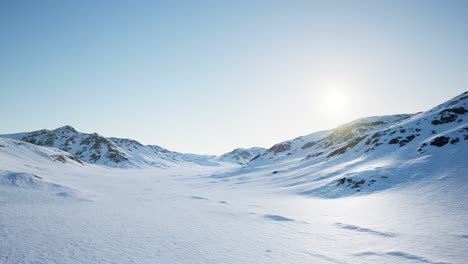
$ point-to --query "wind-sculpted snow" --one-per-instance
(27, 184)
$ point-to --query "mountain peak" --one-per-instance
(66, 127)
(242, 155)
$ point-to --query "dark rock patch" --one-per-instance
(457, 110)
(421, 148)
(313, 155)
(343, 149)
(60, 158)
(358, 184)
(309, 145)
(368, 142)
(449, 115)
(394, 140)
(351, 183)
(341, 181)
(281, 147)
(440, 141)
(75, 159)
(407, 140)
(256, 157)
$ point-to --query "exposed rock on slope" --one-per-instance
(371, 154)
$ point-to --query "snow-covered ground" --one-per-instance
(67, 213)
(389, 189)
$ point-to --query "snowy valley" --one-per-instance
(386, 189)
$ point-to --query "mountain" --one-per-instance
(369, 154)
(96, 149)
(123, 153)
(241, 155)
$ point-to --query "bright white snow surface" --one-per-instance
(53, 212)
(389, 189)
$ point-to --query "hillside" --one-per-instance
(369, 154)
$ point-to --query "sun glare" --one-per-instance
(335, 102)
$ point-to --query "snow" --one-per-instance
(278, 208)
(180, 215)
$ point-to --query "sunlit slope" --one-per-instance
(369, 154)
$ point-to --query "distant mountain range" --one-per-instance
(123, 153)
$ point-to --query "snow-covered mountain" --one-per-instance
(436, 127)
(241, 155)
(96, 149)
(368, 154)
(123, 153)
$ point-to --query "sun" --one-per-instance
(335, 102)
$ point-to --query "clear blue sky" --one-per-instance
(209, 76)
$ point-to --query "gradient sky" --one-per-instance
(210, 76)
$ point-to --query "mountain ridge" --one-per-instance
(441, 125)
(122, 152)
